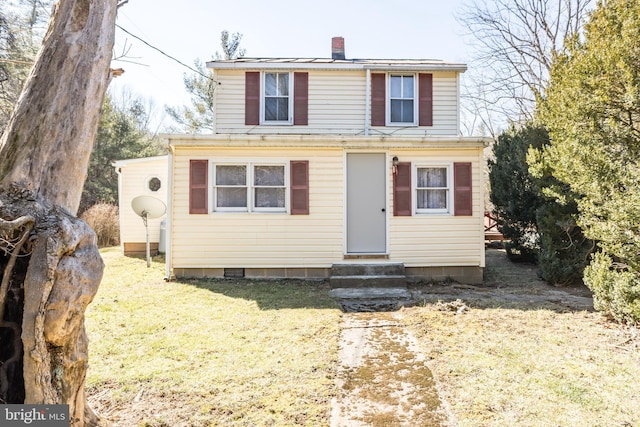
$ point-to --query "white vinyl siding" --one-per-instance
(239, 240)
(135, 176)
(337, 105)
(441, 240)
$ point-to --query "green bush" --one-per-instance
(535, 212)
(564, 250)
(616, 290)
(514, 193)
(103, 218)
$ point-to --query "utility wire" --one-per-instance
(165, 54)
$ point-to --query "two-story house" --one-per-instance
(321, 161)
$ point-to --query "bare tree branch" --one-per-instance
(515, 43)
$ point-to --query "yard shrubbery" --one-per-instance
(536, 212)
(616, 291)
(103, 218)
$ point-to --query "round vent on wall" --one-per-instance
(154, 184)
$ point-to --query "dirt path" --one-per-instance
(383, 377)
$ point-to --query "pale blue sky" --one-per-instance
(190, 29)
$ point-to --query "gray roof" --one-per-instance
(343, 64)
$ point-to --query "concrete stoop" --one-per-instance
(368, 275)
(369, 286)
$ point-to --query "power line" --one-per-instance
(165, 54)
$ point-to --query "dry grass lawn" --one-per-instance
(209, 353)
(512, 352)
(521, 353)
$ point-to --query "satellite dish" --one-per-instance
(148, 207)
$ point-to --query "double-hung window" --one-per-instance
(249, 188)
(269, 189)
(433, 193)
(277, 100)
(402, 100)
(230, 188)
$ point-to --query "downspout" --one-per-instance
(367, 103)
(119, 172)
(168, 225)
(459, 108)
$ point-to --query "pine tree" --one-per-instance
(592, 109)
(200, 115)
(539, 225)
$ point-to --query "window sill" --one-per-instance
(265, 123)
(259, 212)
(433, 213)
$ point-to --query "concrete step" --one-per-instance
(369, 281)
(370, 293)
(368, 269)
(371, 299)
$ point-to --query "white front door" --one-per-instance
(366, 203)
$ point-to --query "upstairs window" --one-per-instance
(276, 98)
(402, 95)
(277, 102)
(401, 99)
(432, 189)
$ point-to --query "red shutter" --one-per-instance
(252, 98)
(402, 190)
(299, 170)
(198, 183)
(462, 194)
(378, 99)
(301, 99)
(425, 99)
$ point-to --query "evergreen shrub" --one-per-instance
(616, 289)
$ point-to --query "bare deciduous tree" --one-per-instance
(49, 261)
(515, 41)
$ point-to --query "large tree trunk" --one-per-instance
(48, 140)
(44, 154)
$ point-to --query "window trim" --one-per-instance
(214, 187)
(253, 186)
(415, 100)
(450, 189)
(249, 185)
(263, 88)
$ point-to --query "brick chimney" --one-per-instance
(337, 48)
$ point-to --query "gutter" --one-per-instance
(323, 141)
(168, 226)
(354, 66)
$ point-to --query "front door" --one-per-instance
(366, 203)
